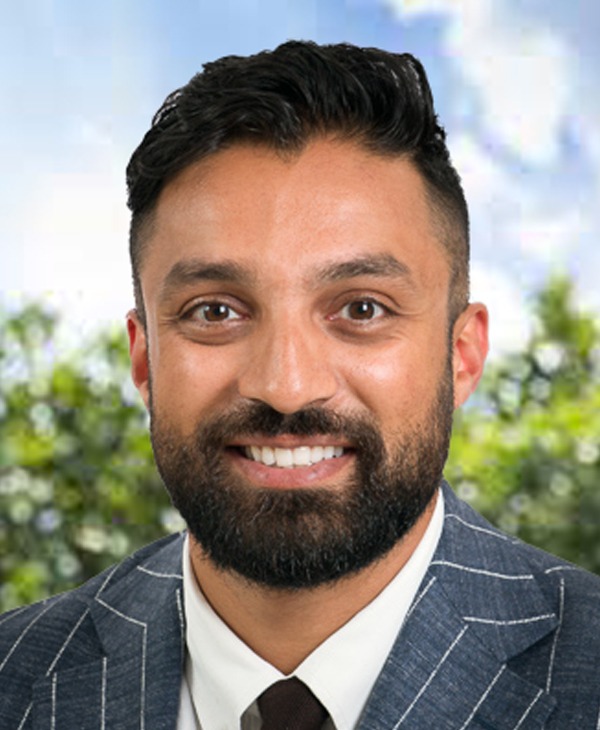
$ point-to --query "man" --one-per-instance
(302, 334)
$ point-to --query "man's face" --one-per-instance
(296, 358)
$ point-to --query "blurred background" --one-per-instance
(517, 86)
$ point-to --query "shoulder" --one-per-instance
(71, 633)
(495, 568)
(539, 614)
(38, 630)
(468, 534)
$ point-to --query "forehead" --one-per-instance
(333, 200)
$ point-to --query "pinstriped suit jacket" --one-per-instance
(500, 636)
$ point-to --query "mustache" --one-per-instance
(259, 419)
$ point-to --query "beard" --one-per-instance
(303, 537)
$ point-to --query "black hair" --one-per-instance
(283, 99)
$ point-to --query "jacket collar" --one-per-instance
(478, 606)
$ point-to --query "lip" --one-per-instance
(272, 477)
(287, 441)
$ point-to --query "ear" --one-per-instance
(138, 352)
(470, 349)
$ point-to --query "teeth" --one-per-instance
(302, 456)
(284, 458)
(289, 458)
(266, 455)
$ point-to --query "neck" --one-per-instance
(284, 627)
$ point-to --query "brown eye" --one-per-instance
(362, 309)
(213, 313)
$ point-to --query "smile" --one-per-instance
(291, 458)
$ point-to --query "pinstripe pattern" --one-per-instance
(53, 718)
(420, 596)
(96, 646)
(181, 618)
(528, 710)
(144, 627)
(554, 568)
(109, 575)
(556, 634)
(499, 636)
(25, 717)
(477, 528)
(509, 622)
(13, 614)
(159, 575)
(66, 642)
(484, 696)
(431, 677)
(103, 695)
(22, 635)
(490, 583)
(481, 571)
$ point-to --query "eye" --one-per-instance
(212, 313)
(363, 310)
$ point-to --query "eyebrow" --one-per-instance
(190, 271)
(384, 265)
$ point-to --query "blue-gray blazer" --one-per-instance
(500, 636)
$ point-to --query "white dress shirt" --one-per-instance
(223, 676)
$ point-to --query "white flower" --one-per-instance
(549, 356)
(587, 452)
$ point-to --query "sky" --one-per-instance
(516, 84)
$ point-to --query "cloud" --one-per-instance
(519, 73)
(510, 320)
(424, 7)
(516, 219)
(550, 239)
(522, 82)
(484, 179)
(72, 234)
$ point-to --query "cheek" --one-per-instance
(398, 385)
(188, 380)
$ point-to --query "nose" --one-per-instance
(288, 369)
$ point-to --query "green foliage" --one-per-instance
(78, 487)
(79, 490)
(528, 457)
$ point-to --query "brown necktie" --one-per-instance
(290, 705)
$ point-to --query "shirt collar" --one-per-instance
(225, 676)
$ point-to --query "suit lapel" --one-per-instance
(440, 675)
(450, 666)
(137, 637)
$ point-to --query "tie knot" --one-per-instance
(290, 705)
